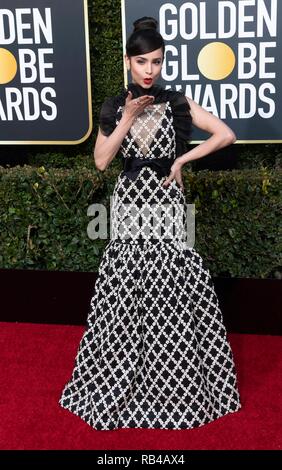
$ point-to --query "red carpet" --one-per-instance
(37, 359)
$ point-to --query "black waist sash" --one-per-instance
(132, 166)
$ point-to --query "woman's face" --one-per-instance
(145, 68)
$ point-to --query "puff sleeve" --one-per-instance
(182, 121)
(107, 118)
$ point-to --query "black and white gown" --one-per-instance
(154, 353)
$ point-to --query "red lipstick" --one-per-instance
(148, 81)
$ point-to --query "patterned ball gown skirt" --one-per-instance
(154, 353)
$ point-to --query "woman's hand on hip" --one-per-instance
(175, 173)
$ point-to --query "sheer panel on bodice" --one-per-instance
(146, 125)
(151, 134)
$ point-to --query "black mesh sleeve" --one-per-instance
(107, 118)
(182, 121)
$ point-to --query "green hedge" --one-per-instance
(44, 218)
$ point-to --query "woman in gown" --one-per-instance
(154, 353)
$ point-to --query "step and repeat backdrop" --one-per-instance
(45, 88)
(225, 56)
(222, 54)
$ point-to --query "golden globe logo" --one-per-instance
(224, 54)
(28, 31)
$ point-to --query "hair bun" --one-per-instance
(146, 22)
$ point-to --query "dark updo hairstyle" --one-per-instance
(145, 37)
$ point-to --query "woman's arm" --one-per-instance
(106, 147)
(222, 135)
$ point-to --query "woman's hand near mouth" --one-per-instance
(136, 106)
